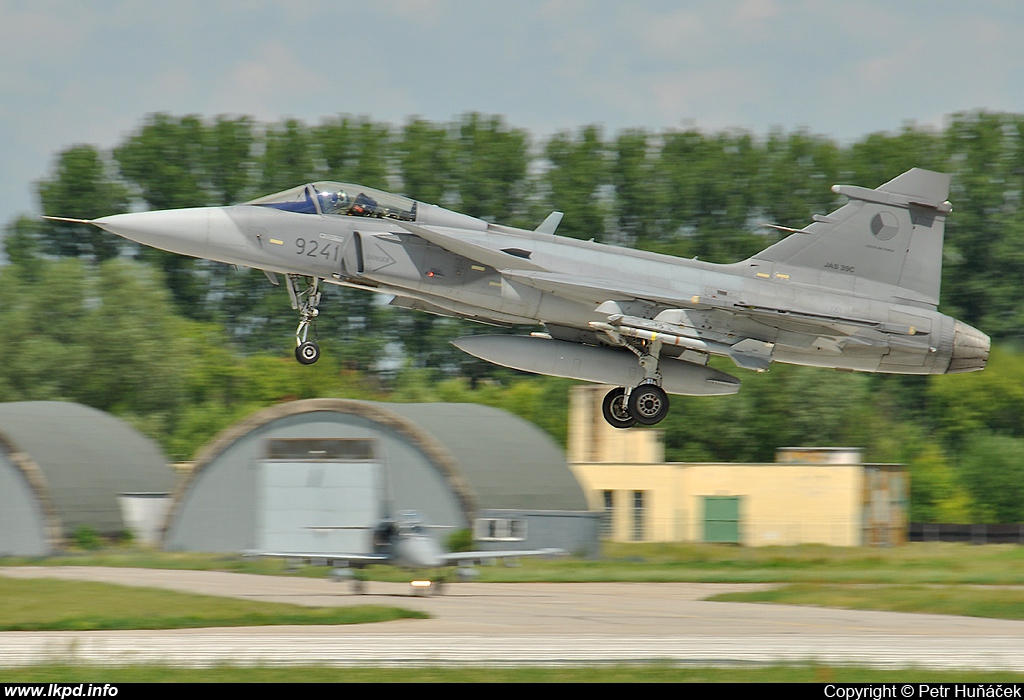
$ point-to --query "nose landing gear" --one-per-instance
(307, 353)
(305, 300)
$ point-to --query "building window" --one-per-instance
(638, 516)
(499, 530)
(320, 450)
(606, 513)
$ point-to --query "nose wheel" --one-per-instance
(305, 301)
(307, 353)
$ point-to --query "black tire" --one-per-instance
(648, 404)
(615, 410)
(307, 353)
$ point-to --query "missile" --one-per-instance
(590, 363)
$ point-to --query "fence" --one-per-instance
(975, 534)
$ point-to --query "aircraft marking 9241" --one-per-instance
(827, 295)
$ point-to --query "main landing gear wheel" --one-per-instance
(307, 353)
(615, 410)
(648, 403)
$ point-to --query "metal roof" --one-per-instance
(491, 459)
(86, 458)
(508, 461)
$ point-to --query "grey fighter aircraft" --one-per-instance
(856, 289)
(406, 542)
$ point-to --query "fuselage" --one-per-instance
(562, 282)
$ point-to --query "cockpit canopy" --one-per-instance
(410, 523)
(341, 199)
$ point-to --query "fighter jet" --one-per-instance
(406, 542)
(856, 289)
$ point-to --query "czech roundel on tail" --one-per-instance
(857, 289)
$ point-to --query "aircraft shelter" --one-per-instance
(64, 466)
(312, 476)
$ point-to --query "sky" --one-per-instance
(75, 72)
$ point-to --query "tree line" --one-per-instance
(182, 347)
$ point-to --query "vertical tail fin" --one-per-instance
(891, 234)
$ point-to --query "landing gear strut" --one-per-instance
(646, 404)
(305, 300)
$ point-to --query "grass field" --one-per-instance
(974, 601)
(47, 604)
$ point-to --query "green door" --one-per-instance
(722, 519)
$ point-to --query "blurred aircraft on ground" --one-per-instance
(405, 542)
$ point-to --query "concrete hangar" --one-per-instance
(303, 476)
(64, 466)
(309, 476)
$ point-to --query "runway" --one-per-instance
(525, 624)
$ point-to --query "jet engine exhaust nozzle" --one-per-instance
(970, 349)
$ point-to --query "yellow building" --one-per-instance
(808, 495)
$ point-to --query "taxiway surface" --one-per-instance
(525, 624)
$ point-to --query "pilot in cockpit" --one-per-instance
(334, 202)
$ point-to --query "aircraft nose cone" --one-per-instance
(424, 552)
(184, 231)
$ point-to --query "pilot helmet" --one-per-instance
(334, 201)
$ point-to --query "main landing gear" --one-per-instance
(646, 404)
(305, 300)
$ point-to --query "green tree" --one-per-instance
(81, 188)
(229, 159)
(288, 158)
(356, 151)
(786, 406)
(992, 468)
(708, 195)
(426, 158)
(991, 401)
(108, 339)
(578, 182)
(879, 157)
(637, 194)
(982, 286)
(490, 168)
(23, 246)
(165, 160)
(935, 494)
(797, 173)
